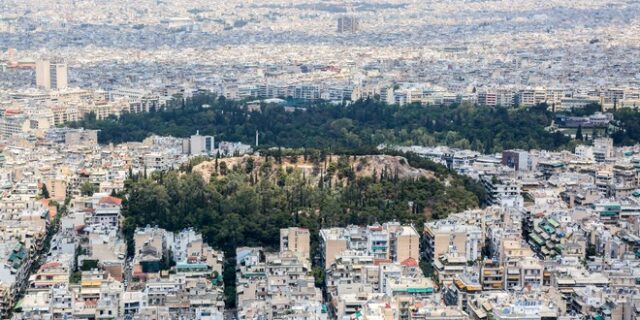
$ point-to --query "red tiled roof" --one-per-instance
(111, 200)
(377, 262)
(52, 264)
(10, 112)
(409, 262)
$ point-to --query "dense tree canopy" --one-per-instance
(362, 124)
(248, 207)
(587, 110)
(44, 191)
(628, 127)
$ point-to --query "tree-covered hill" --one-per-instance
(247, 202)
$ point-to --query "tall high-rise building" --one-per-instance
(348, 24)
(51, 75)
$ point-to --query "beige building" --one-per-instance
(449, 237)
(152, 237)
(49, 275)
(51, 75)
(407, 244)
(296, 240)
(515, 249)
(57, 189)
(390, 241)
(332, 244)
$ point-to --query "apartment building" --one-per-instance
(446, 237)
(51, 75)
(503, 192)
(296, 240)
(388, 241)
(275, 285)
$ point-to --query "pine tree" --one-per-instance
(579, 133)
(45, 191)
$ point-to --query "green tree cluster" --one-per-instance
(627, 129)
(363, 124)
(587, 110)
(45, 192)
(88, 189)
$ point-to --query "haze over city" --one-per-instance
(453, 44)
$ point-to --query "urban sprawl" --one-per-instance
(559, 237)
